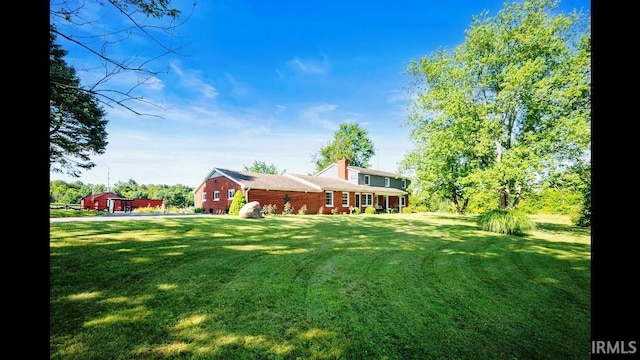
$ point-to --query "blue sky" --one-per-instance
(271, 81)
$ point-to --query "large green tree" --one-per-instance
(505, 108)
(350, 142)
(77, 124)
(262, 167)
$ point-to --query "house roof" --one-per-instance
(374, 172)
(298, 182)
(366, 171)
(334, 184)
(99, 195)
(253, 180)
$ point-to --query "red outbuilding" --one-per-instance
(112, 202)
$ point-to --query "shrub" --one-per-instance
(269, 209)
(505, 221)
(407, 210)
(287, 209)
(335, 211)
(321, 210)
(198, 210)
(238, 202)
(355, 210)
(370, 210)
(302, 210)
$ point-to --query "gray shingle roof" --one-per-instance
(326, 183)
(262, 181)
(375, 172)
(298, 182)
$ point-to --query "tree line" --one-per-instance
(72, 192)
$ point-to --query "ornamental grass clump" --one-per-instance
(506, 221)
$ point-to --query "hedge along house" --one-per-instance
(318, 193)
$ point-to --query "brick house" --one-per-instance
(338, 187)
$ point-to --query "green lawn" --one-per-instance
(397, 286)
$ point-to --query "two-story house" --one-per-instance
(338, 188)
(387, 191)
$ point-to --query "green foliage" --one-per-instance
(287, 209)
(262, 167)
(321, 210)
(370, 210)
(302, 210)
(198, 210)
(355, 210)
(503, 109)
(77, 124)
(350, 142)
(482, 201)
(237, 203)
(506, 221)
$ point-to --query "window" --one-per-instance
(204, 196)
(328, 198)
(404, 183)
(216, 195)
(367, 180)
(230, 193)
(402, 201)
(367, 199)
(345, 199)
(386, 182)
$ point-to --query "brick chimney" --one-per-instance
(343, 173)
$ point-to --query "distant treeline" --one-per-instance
(71, 193)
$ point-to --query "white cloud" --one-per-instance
(309, 66)
(316, 115)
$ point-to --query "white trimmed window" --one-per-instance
(402, 201)
(204, 196)
(404, 183)
(230, 193)
(367, 199)
(367, 180)
(345, 199)
(216, 196)
(328, 198)
(387, 182)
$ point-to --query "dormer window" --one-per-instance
(404, 183)
(367, 180)
(386, 182)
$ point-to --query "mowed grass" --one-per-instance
(398, 286)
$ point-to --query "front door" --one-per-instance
(357, 200)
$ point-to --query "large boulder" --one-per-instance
(251, 210)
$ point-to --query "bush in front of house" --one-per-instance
(355, 210)
(198, 210)
(302, 210)
(321, 210)
(287, 209)
(370, 210)
(506, 221)
(269, 209)
(237, 203)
